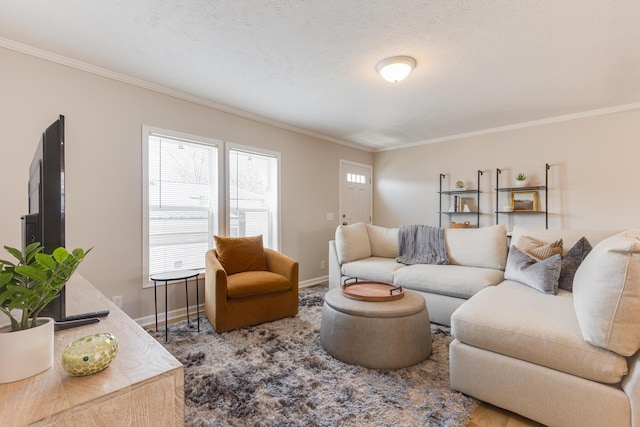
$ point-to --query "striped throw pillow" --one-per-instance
(538, 249)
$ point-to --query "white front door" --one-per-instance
(355, 193)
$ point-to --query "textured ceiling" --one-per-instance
(482, 64)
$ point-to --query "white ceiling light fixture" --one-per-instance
(395, 68)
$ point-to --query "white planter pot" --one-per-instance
(521, 183)
(26, 353)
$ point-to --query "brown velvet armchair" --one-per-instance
(250, 297)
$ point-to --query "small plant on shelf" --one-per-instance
(521, 180)
(34, 281)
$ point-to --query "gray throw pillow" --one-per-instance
(540, 275)
(572, 261)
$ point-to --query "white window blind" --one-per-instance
(253, 194)
(182, 191)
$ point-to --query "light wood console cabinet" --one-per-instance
(143, 386)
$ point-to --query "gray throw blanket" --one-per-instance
(421, 244)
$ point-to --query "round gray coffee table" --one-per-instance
(381, 335)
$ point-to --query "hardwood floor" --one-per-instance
(491, 416)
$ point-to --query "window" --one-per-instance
(356, 179)
(181, 197)
(253, 194)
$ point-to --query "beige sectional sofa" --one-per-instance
(569, 359)
(368, 252)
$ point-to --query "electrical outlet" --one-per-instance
(117, 300)
(322, 265)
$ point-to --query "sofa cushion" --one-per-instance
(453, 280)
(352, 242)
(384, 241)
(484, 247)
(540, 275)
(538, 249)
(373, 268)
(571, 261)
(238, 254)
(606, 292)
(520, 322)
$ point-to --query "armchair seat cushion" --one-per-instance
(252, 283)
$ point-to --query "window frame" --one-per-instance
(229, 146)
(148, 131)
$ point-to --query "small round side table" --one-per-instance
(171, 276)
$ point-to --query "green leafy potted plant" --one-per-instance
(521, 180)
(26, 288)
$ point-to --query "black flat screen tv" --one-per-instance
(45, 222)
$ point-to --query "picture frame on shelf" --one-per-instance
(524, 201)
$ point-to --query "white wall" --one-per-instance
(593, 178)
(103, 151)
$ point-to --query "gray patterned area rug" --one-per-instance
(277, 374)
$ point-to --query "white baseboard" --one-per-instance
(313, 282)
(181, 313)
(173, 315)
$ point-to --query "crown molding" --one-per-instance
(103, 72)
(549, 120)
(133, 81)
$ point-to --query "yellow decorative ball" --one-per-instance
(90, 354)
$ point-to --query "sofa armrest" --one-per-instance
(631, 386)
(335, 273)
(282, 265)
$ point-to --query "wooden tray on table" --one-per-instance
(372, 291)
